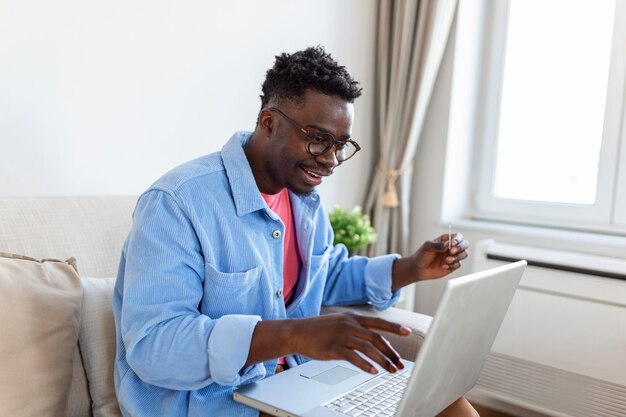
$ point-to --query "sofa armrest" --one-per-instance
(407, 346)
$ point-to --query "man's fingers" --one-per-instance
(382, 324)
(372, 352)
(454, 266)
(382, 345)
(458, 242)
(356, 360)
(455, 247)
(459, 247)
(450, 260)
(374, 345)
(345, 332)
(385, 347)
(440, 244)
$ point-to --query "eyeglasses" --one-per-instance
(320, 143)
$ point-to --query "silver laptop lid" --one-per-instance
(459, 339)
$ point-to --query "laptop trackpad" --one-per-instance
(333, 375)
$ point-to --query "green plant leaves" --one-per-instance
(352, 228)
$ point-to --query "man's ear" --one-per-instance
(266, 122)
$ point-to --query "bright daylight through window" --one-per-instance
(547, 114)
(556, 82)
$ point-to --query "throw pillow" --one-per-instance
(39, 320)
(97, 344)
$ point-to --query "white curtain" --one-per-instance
(412, 36)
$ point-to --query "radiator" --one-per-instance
(561, 350)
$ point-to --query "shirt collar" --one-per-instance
(246, 194)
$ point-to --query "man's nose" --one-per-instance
(328, 158)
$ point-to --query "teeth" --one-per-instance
(312, 174)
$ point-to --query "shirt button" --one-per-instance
(279, 293)
(276, 234)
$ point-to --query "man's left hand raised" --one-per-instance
(434, 259)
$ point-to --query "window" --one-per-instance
(551, 123)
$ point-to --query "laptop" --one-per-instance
(447, 365)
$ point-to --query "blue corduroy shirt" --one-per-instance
(201, 266)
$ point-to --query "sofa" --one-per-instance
(84, 236)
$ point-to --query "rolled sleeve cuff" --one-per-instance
(228, 348)
(378, 282)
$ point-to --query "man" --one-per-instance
(230, 258)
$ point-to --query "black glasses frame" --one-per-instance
(317, 137)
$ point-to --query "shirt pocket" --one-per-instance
(231, 292)
(318, 264)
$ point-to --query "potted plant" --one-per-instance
(352, 228)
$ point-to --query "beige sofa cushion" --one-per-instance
(79, 402)
(97, 344)
(40, 304)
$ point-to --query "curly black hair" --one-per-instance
(312, 68)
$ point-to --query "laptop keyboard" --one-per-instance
(378, 397)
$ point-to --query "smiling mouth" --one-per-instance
(314, 177)
(313, 174)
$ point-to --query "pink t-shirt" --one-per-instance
(281, 205)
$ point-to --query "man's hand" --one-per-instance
(337, 336)
(333, 336)
(434, 259)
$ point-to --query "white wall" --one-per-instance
(104, 97)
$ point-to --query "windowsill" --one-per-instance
(586, 242)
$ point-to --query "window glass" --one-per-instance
(554, 90)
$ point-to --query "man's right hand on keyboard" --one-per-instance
(333, 336)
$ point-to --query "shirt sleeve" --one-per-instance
(168, 342)
(378, 281)
(353, 280)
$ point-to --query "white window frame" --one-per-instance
(608, 214)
